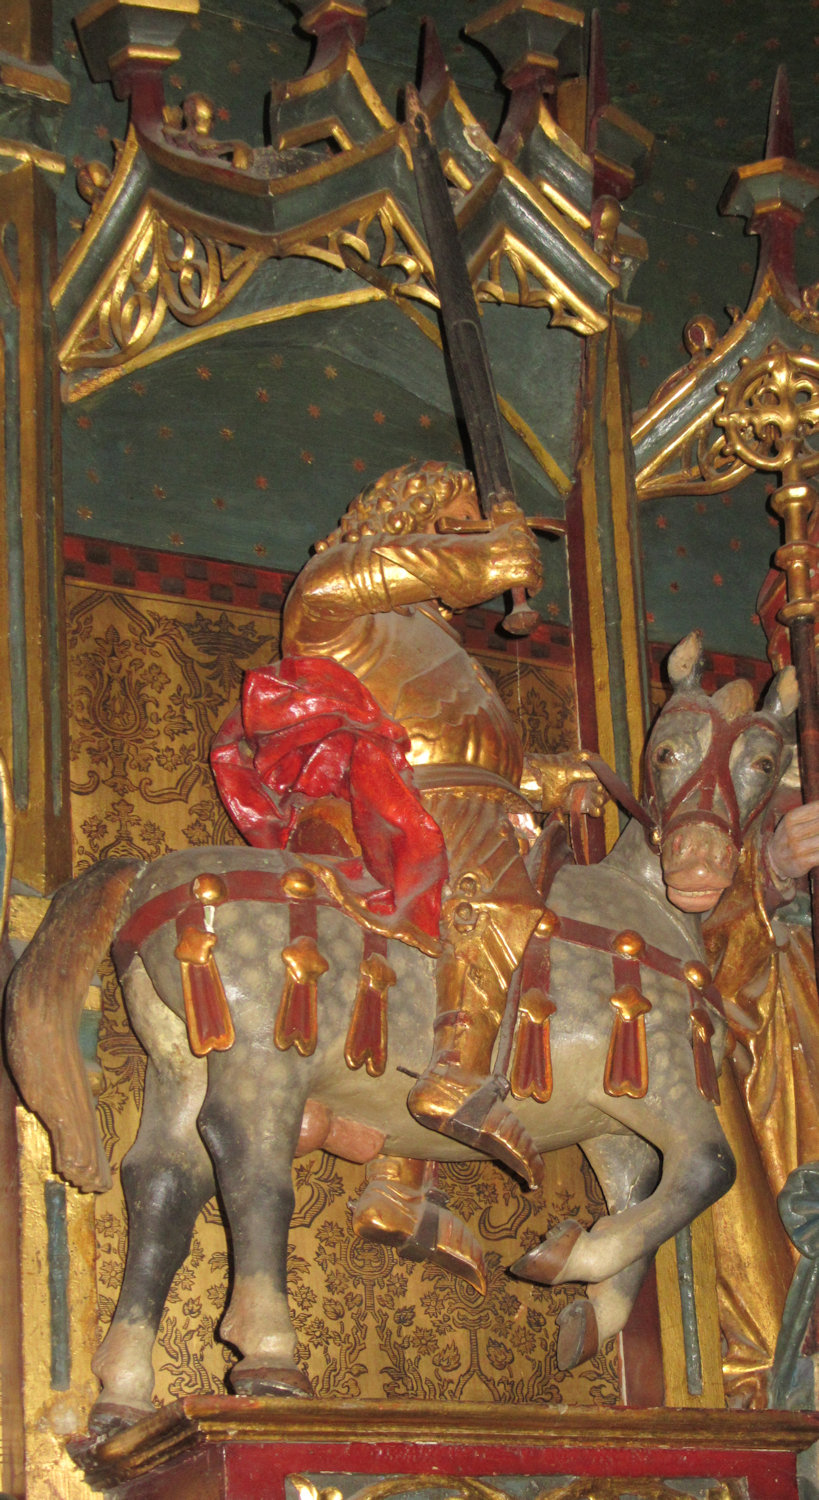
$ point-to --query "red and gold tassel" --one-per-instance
(531, 1075)
(627, 1061)
(297, 1019)
(702, 1030)
(209, 1022)
(367, 1034)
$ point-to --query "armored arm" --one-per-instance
(377, 575)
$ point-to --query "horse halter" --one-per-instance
(708, 795)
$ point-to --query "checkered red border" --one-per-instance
(175, 575)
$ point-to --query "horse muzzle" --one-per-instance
(699, 862)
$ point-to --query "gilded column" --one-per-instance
(32, 670)
(33, 731)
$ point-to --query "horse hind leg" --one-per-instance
(627, 1169)
(167, 1178)
(250, 1121)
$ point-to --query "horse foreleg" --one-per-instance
(167, 1179)
(698, 1168)
(250, 1121)
(627, 1169)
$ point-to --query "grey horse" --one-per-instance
(234, 1119)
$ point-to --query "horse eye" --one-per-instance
(764, 763)
(665, 755)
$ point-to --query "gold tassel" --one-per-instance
(531, 1075)
(210, 1027)
(367, 1035)
(627, 1061)
(297, 1020)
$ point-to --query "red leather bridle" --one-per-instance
(708, 795)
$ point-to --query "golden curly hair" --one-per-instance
(402, 501)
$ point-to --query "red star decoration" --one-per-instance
(227, 433)
(378, 416)
(306, 456)
(313, 410)
(84, 423)
(166, 432)
(661, 523)
(175, 539)
(262, 395)
(93, 476)
(218, 502)
(425, 421)
(359, 465)
(261, 482)
(717, 580)
(159, 492)
(203, 372)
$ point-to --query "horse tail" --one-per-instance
(44, 998)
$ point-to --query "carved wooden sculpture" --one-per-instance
(625, 1014)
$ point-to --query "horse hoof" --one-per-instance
(247, 1379)
(546, 1262)
(110, 1417)
(577, 1338)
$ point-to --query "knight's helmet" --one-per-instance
(402, 501)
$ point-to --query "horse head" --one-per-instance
(712, 766)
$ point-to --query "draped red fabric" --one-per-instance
(307, 728)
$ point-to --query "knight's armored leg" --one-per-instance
(489, 912)
(458, 1094)
(403, 1205)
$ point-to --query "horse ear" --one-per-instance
(782, 697)
(734, 699)
(685, 663)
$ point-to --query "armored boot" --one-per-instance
(402, 1205)
(459, 1095)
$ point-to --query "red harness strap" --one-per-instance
(626, 1071)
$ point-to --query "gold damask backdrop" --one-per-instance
(150, 681)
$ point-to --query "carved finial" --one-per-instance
(434, 70)
(598, 89)
(619, 147)
(780, 139)
(773, 194)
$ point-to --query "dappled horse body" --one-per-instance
(618, 1043)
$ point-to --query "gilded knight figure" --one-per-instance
(376, 600)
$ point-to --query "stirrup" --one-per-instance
(484, 1123)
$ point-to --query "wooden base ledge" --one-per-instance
(376, 1437)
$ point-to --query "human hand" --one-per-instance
(513, 557)
(793, 848)
(552, 779)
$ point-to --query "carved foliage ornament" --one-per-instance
(164, 268)
(771, 410)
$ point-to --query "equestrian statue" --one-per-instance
(398, 884)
